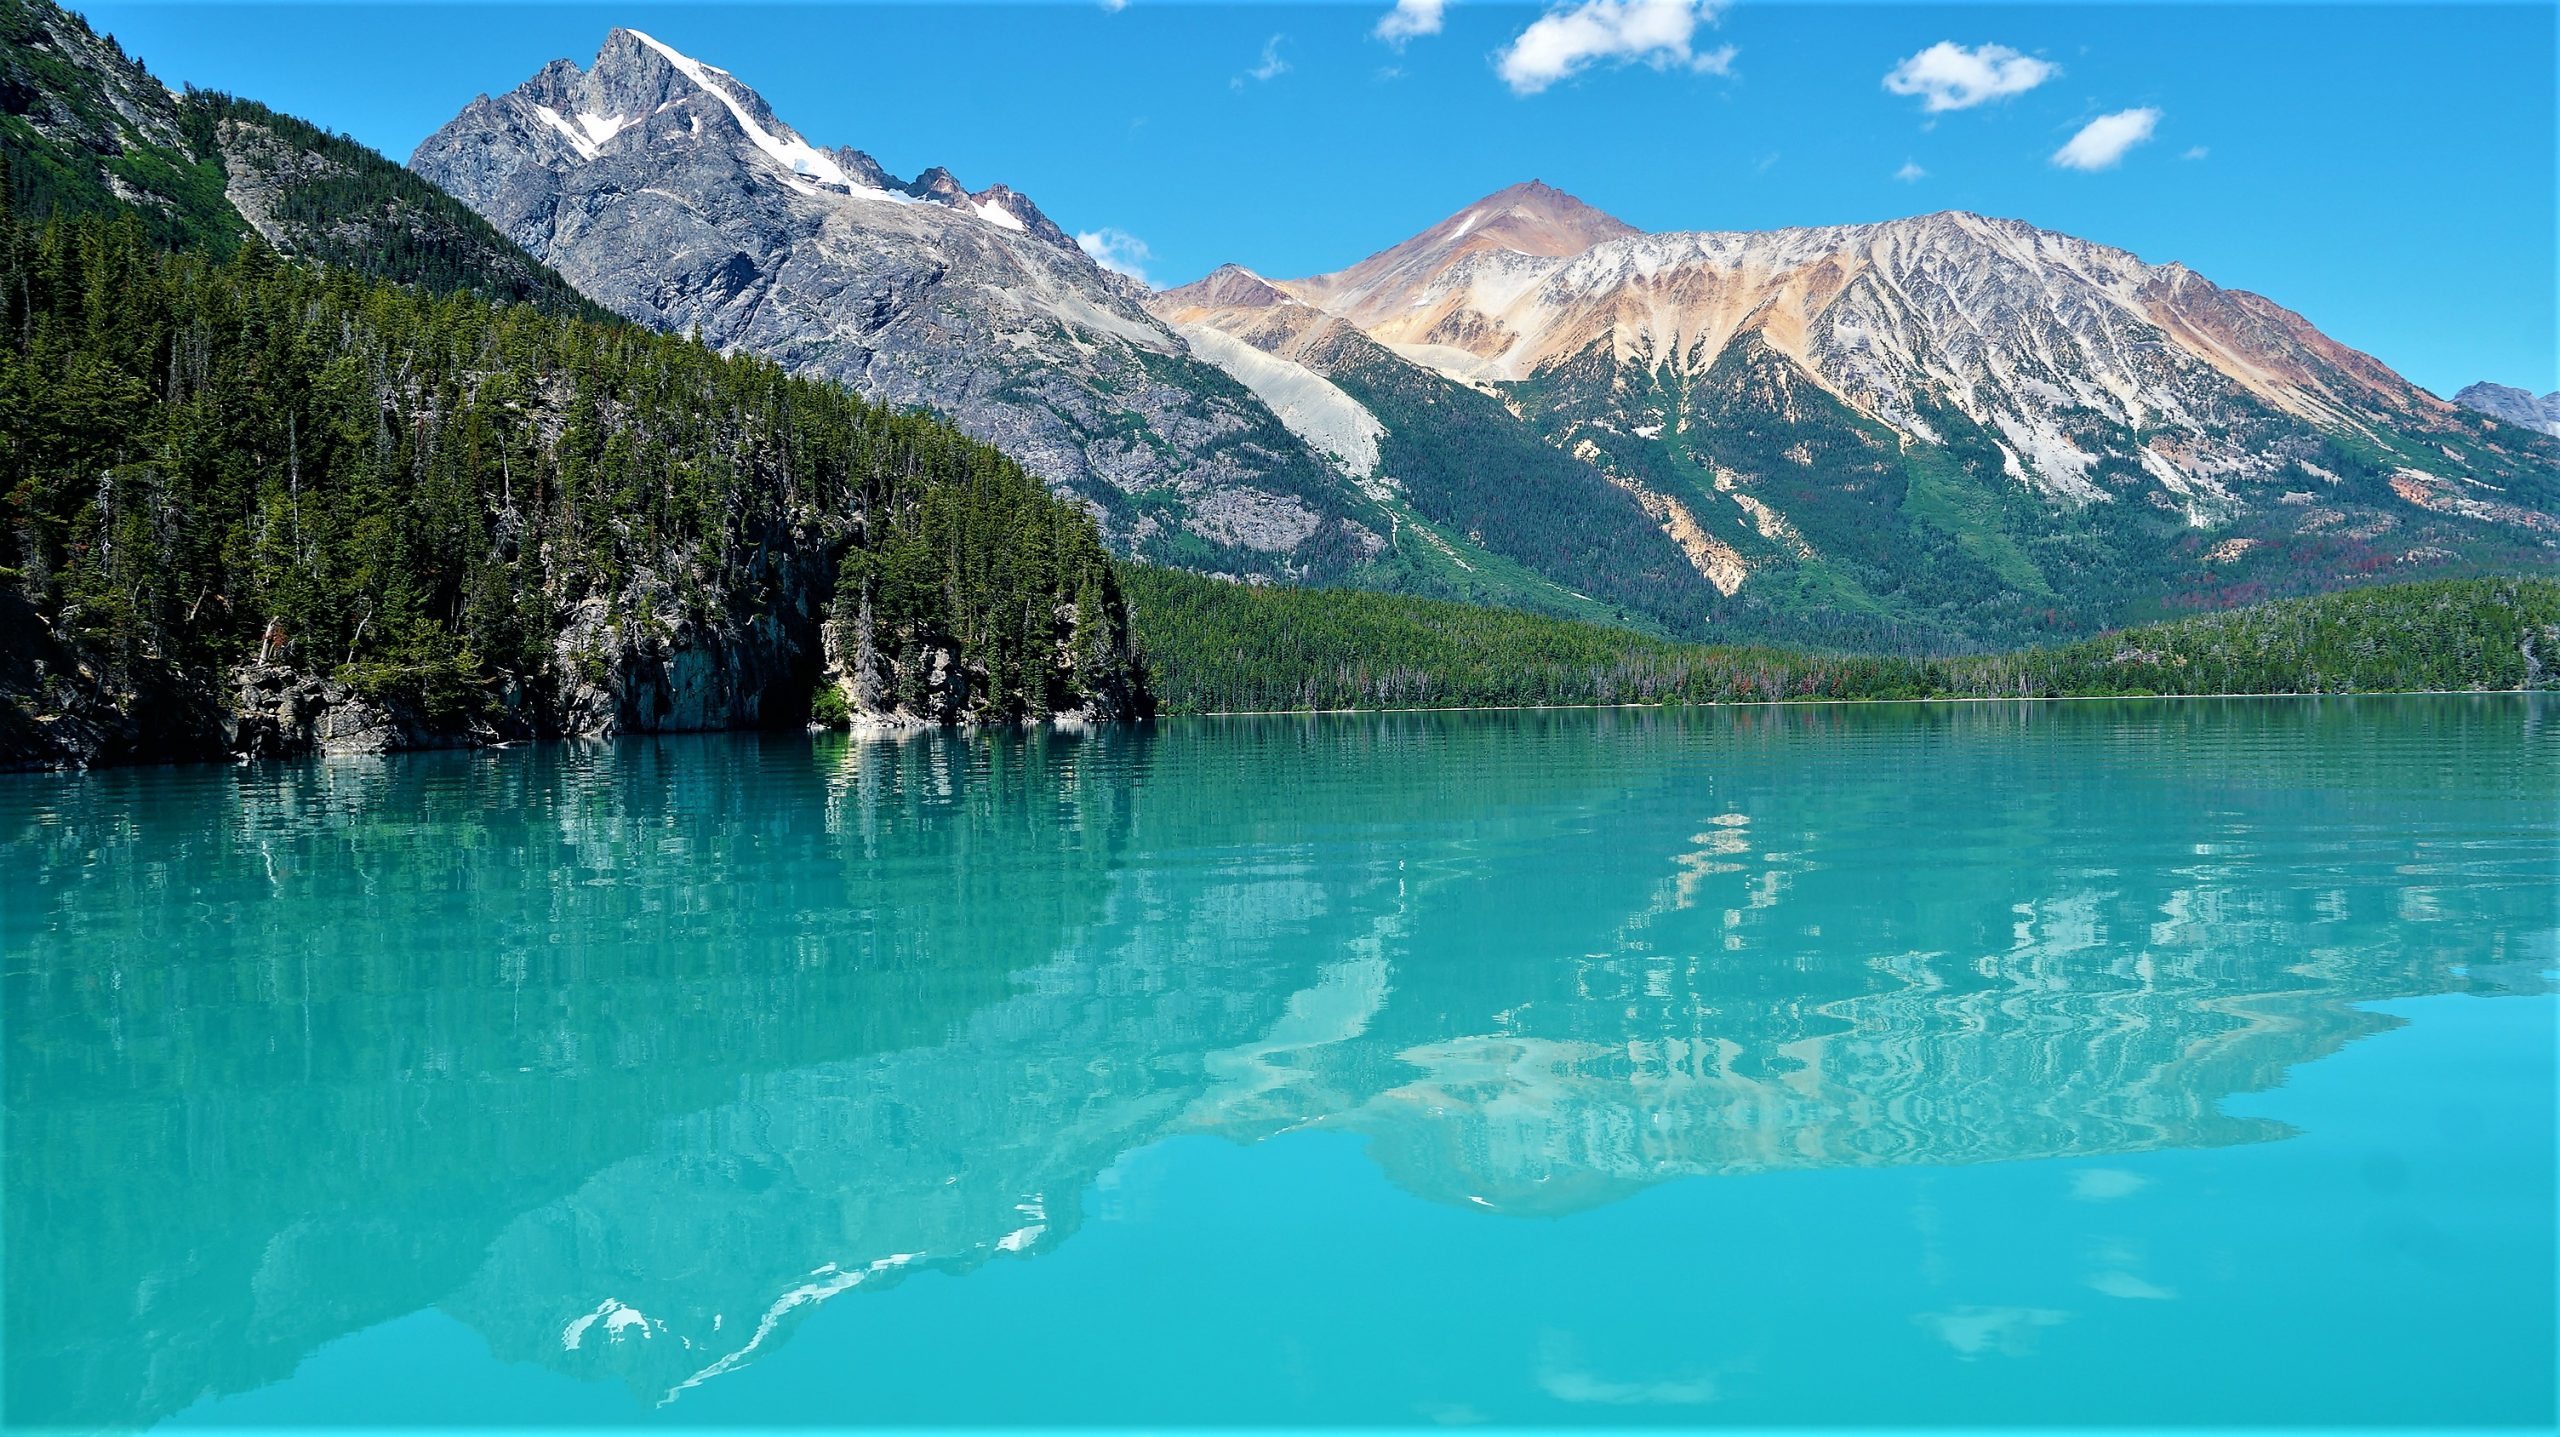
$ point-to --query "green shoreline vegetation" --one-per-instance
(1216, 647)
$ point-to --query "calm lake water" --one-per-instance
(2141, 1063)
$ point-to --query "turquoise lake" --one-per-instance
(2109, 1063)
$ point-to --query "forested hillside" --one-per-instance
(381, 517)
(1215, 647)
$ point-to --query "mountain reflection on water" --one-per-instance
(631, 1058)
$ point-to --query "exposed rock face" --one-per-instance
(2516, 406)
(321, 197)
(2065, 353)
(60, 705)
(671, 193)
(644, 660)
(281, 713)
(92, 98)
(1532, 220)
(1950, 428)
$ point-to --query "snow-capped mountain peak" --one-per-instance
(670, 191)
(769, 135)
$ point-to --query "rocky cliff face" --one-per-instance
(642, 658)
(2516, 406)
(670, 192)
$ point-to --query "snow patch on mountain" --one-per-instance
(794, 154)
(578, 141)
(997, 215)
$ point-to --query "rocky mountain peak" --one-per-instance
(635, 75)
(864, 168)
(1536, 218)
(1229, 286)
(670, 192)
(645, 103)
(1003, 200)
(938, 184)
(1533, 219)
(2516, 406)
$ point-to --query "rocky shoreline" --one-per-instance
(614, 671)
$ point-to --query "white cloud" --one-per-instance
(1116, 250)
(1991, 1331)
(2106, 1184)
(1115, 6)
(1569, 39)
(1272, 66)
(2195, 152)
(1670, 1392)
(2126, 1285)
(1910, 171)
(1950, 77)
(1409, 19)
(2103, 141)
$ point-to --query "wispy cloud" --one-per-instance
(1115, 6)
(1409, 20)
(2102, 142)
(1116, 250)
(1910, 171)
(1976, 1332)
(1572, 38)
(1272, 66)
(2127, 1285)
(2106, 1184)
(1567, 1381)
(1947, 76)
(2195, 152)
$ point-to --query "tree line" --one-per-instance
(1212, 646)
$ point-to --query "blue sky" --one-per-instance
(2386, 170)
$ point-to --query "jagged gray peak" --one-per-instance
(2516, 406)
(669, 191)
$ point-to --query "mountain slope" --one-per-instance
(671, 193)
(1465, 469)
(84, 129)
(1946, 430)
(2516, 406)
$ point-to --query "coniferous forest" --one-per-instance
(486, 517)
(1212, 647)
